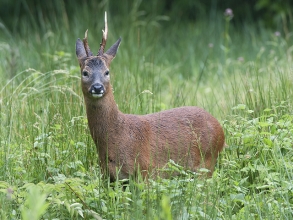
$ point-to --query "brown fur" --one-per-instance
(190, 136)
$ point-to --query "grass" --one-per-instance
(48, 165)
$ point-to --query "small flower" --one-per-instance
(229, 13)
(277, 34)
(211, 45)
(240, 59)
(9, 193)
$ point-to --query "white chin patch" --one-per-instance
(97, 95)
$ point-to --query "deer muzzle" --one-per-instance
(97, 90)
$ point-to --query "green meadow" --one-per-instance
(242, 74)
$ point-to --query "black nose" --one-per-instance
(98, 88)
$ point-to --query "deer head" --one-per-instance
(95, 76)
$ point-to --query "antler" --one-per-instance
(86, 46)
(104, 39)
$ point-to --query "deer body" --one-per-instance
(190, 136)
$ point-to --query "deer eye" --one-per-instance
(85, 73)
(107, 73)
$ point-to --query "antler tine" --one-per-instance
(104, 39)
(86, 46)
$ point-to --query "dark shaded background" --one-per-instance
(272, 13)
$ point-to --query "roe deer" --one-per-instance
(190, 136)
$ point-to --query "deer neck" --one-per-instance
(103, 115)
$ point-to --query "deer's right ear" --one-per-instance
(111, 52)
(80, 51)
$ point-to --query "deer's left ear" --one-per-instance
(111, 52)
(80, 50)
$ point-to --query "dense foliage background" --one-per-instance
(271, 12)
(237, 64)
